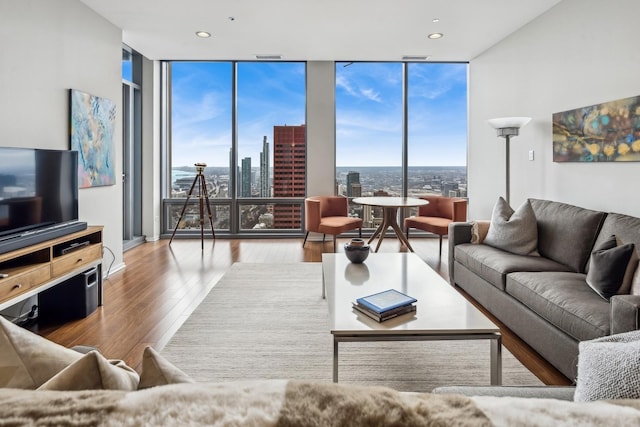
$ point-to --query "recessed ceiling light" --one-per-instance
(435, 20)
(415, 57)
(434, 36)
(268, 56)
(203, 34)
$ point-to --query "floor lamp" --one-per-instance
(508, 127)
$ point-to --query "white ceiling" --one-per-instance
(350, 30)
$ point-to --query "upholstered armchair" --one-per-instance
(329, 215)
(436, 216)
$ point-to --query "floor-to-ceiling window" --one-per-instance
(401, 130)
(246, 122)
(131, 148)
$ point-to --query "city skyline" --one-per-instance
(368, 111)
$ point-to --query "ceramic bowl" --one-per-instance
(356, 254)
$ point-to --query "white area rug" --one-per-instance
(269, 321)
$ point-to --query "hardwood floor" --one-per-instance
(145, 303)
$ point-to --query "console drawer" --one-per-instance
(22, 282)
(66, 263)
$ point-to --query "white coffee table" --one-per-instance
(442, 313)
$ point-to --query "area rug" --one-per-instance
(269, 321)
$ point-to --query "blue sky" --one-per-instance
(368, 111)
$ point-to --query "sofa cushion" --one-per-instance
(608, 267)
(513, 231)
(157, 371)
(493, 264)
(563, 299)
(566, 233)
(93, 372)
(28, 360)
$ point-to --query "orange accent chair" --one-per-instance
(437, 215)
(329, 215)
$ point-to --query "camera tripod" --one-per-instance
(202, 194)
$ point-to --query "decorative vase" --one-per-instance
(356, 250)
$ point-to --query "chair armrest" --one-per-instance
(459, 232)
(459, 210)
(625, 313)
(542, 392)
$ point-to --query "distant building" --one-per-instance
(289, 173)
(356, 190)
(450, 189)
(246, 178)
(353, 178)
(265, 187)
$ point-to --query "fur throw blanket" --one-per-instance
(295, 403)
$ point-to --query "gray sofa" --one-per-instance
(545, 300)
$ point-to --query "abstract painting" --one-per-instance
(607, 132)
(92, 131)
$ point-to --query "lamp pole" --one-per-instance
(508, 127)
(508, 169)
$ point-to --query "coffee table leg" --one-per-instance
(335, 360)
(496, 360)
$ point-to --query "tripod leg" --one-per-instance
(206, 198)
(203, 189)
(184, 208)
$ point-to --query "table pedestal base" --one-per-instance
(389, 219)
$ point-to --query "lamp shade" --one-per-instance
(509, 122)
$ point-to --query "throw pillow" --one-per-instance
(609, 368)
(93, 372)
(27, 360)
(156, 370)
(513, 231)
(607, 267)
(479, 230)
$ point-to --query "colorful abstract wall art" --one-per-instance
(607, 132)
(92, 131)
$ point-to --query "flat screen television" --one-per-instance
(38, 195)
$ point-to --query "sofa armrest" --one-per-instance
(459, 232)
(542, 392)
(625, 313)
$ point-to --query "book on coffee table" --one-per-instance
(384, 301)
(389, 314)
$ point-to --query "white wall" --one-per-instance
(580, 53)
(46, 48)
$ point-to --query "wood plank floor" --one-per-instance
(145, 303)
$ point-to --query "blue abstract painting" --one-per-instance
(92, 131)
(607, 132)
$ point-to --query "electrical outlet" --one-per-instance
(531, 155)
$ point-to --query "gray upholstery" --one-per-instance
(546, 300)
(564, 300)
(625, 313)
(494, 264)
(558, 348)
(625, 227)
(541, 392)
(566, 233)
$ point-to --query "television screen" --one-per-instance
(38, 189)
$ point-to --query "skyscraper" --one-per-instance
(265, 186)
(353, 178)
(289, 173)
(246, 178)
